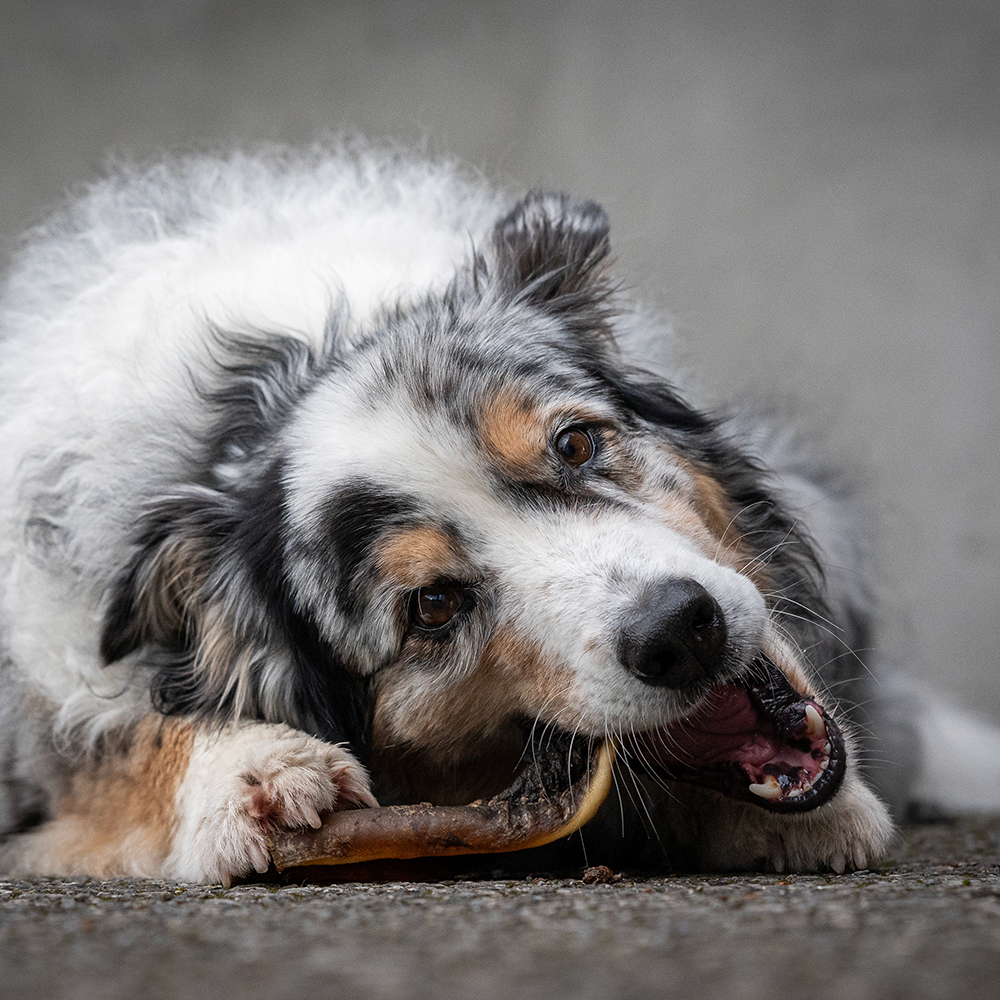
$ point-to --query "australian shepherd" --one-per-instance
(334, 479)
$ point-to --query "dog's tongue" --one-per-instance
(758, 741)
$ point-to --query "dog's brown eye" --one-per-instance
(433, 607)
(576, 447)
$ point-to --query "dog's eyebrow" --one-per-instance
(514, 432)
(419, 554)
(358, 513)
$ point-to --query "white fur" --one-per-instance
(557, 567)
(238, 772)
(103, 322)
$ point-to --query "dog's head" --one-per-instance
(477, 520)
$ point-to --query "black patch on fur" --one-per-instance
(329, 700)
(198, 516)
(236, 537)
(255, 382)
(244, 539)
(357, 514)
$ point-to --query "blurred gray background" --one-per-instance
(809, 188)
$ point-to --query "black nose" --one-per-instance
(675, 637)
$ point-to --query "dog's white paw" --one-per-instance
(248, 781)
(712, 832)
(849, 833)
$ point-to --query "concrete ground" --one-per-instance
(926, 923)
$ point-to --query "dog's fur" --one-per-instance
(256, 409)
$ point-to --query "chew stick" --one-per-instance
(522, 816)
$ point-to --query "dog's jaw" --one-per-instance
(756, 740)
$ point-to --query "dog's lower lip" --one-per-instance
(757, 740)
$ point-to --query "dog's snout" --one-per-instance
(676, 636)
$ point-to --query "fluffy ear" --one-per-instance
(162, 597)
(552, 251)
(206, 603)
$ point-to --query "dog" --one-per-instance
(332, 479)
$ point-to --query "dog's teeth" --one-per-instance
(824, 763)
(795, 793)
(768, 788)
(815, 727)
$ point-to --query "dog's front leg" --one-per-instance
(179, 800)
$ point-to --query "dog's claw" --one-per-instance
(259, 858)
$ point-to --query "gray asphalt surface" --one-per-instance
(926, 923)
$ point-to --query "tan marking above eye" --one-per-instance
(514, 432)
(575, 447)
(412, 556)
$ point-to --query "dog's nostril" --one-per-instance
(676, 637)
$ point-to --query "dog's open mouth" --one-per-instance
(757, 740)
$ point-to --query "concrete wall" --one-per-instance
(812, 189)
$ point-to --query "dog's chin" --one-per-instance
(755, 739)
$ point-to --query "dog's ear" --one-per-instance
(205, 602)
(552, 251)
(179, 602)
(161, 597)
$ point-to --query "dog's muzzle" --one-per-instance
(756, 740)
(752, 737)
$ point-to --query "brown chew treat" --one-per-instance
(530, 813)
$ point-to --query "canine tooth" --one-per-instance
(768, 788)
(815, 727)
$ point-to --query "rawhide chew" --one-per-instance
(542, 805)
